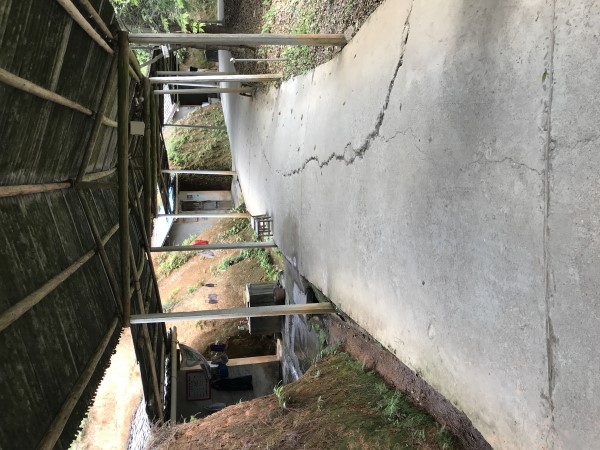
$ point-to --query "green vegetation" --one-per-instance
(172, 301)
(165, 15)
(169, 261)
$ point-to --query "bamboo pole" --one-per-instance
(94, 176)
(102, 107)
(223, 246)
(256, 78)
(223, 39)
(207, 216)
(27, 189)
(201, 127)
(60, 420)
(33, 89)
(123, 162)
(201, 172)
(84, 24)
(17, 310)
(154, 159)
(110, 274)
(236, 313)
(147, 341)
(174, 361)
(109, 122)
(147, 157)
(206, 90)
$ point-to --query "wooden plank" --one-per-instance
(147, 157)
(26, 189)
(33, 89)
(60, 420)
(236, 313)
(238, 39)
(252, 360)
(17, 310)
(223, 246)
(203, 79)
(98, 175)
(123, 172)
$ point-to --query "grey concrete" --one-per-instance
(444, 192)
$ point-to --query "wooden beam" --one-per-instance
(84, 24)
(257, 78)
(94, 176)
(102, 107)
(236, 313)
(60, 420)
(147, 342)
(155, 152)
(123, 163)
(26, 189)
(17, 310)
(205, 90)
(238, 39)
(110, 274)
(207, 216)
(33, 89)
(224, 246)
(201, 172)
(109, 122)
(203, 127)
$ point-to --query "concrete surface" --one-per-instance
(438, 180)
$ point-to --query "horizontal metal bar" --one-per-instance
(202, 127)
(235, 313)
(224, 246)
(238, 39)
(257, 78)
(162, 73)
(201, 172)
(207, 216)
(204, 90)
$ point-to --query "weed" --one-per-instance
(320, 402)
(172, 301)
(191, 290)
(281, 398)
(168, 262)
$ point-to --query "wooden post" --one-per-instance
(123, 169)
(154, 159)
(206, 78)
(208, 216)
(83, 23)
(201, 127)
(223, 246)
(147, 341)
(60, 420)
(236, 313)
(108, 86)
(200, 172)
(205, 90)
(251, 40)
(147, 157)
(110, 274)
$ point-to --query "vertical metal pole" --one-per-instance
(123, 172)
(147, 157)
(174, 358)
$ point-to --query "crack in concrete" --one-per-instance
(503, 160)
(551, 338)
(356, 153)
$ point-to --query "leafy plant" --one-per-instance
(281, 397)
